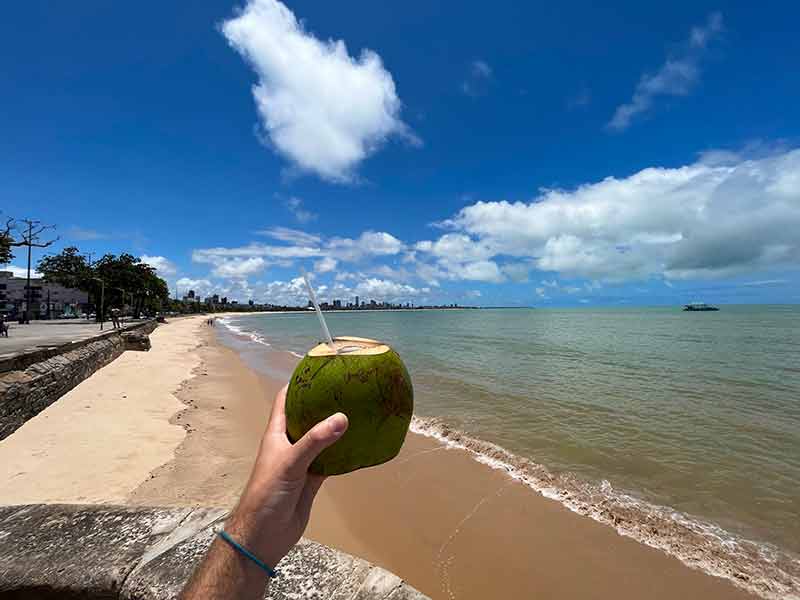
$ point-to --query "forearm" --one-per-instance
(224, 574)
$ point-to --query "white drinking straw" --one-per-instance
(322, 322)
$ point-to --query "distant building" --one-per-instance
(337, 304)
(48, 300)
(251, 302)
(356, 301)
(191, 294)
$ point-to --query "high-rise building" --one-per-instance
(356, 301)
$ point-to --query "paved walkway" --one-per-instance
(47, 333)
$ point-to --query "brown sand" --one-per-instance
(452, 527)
(106, 435)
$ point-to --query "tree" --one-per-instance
(70, 269)
(5, 242)
(124, 278)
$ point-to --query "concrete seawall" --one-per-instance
(31, 381)
(84, 551)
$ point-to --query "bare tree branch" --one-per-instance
(31, 236)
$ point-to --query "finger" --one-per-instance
(313, 483)
(316, 440)
(277, 419)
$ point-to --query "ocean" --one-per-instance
(679, 429)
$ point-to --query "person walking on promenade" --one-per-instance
(115, 318)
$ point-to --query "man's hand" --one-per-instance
(274, 508)
(272, 512)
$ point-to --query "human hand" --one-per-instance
(274, 508)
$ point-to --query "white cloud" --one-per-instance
(20, 271)
(295, 206)
(480, 68)
(477, 82)
(201, 287)
(325, 265)
(163, 266)
(321, 108)
(79, 233)
(676, 77)
(292, 236)
(383, 289)
(216, 255)
(696, 221)
(516, 272)
(369, 243)
(238, 268)
(294, 292)
(457, 256)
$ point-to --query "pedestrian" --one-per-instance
(115, 317)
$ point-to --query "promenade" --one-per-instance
(40, 334)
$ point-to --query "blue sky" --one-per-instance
(506, 154)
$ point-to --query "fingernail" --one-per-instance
(338, 423)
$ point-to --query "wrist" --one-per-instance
(249, 529)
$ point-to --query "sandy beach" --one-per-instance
(179, 426)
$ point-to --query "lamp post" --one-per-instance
(102, 299)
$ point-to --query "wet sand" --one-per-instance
(452, 527)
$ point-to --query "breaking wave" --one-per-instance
(757, 567)
(251, 335)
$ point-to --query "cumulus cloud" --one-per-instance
(295, 206)
(383, 289)
(321, 108)
(201, 287)
(293, 292)
(20, 271)
(458, 256)
(163, 266)
(698, 221)
(325, 265)
(676, 77)
(239, 267)
(369, 243)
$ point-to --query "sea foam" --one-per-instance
(757, 567)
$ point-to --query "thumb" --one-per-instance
(318, 438)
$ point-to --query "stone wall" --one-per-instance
(67, 551)
(32, 381)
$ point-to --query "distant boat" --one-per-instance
(699, 307)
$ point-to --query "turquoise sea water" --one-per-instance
(698, 412)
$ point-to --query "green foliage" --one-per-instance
(70, 269)
(5, 248)
(119, 280)
(5, 241)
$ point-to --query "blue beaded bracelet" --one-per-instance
(245, 552)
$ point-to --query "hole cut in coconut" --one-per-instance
(349, 346)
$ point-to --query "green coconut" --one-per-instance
(367, 381)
